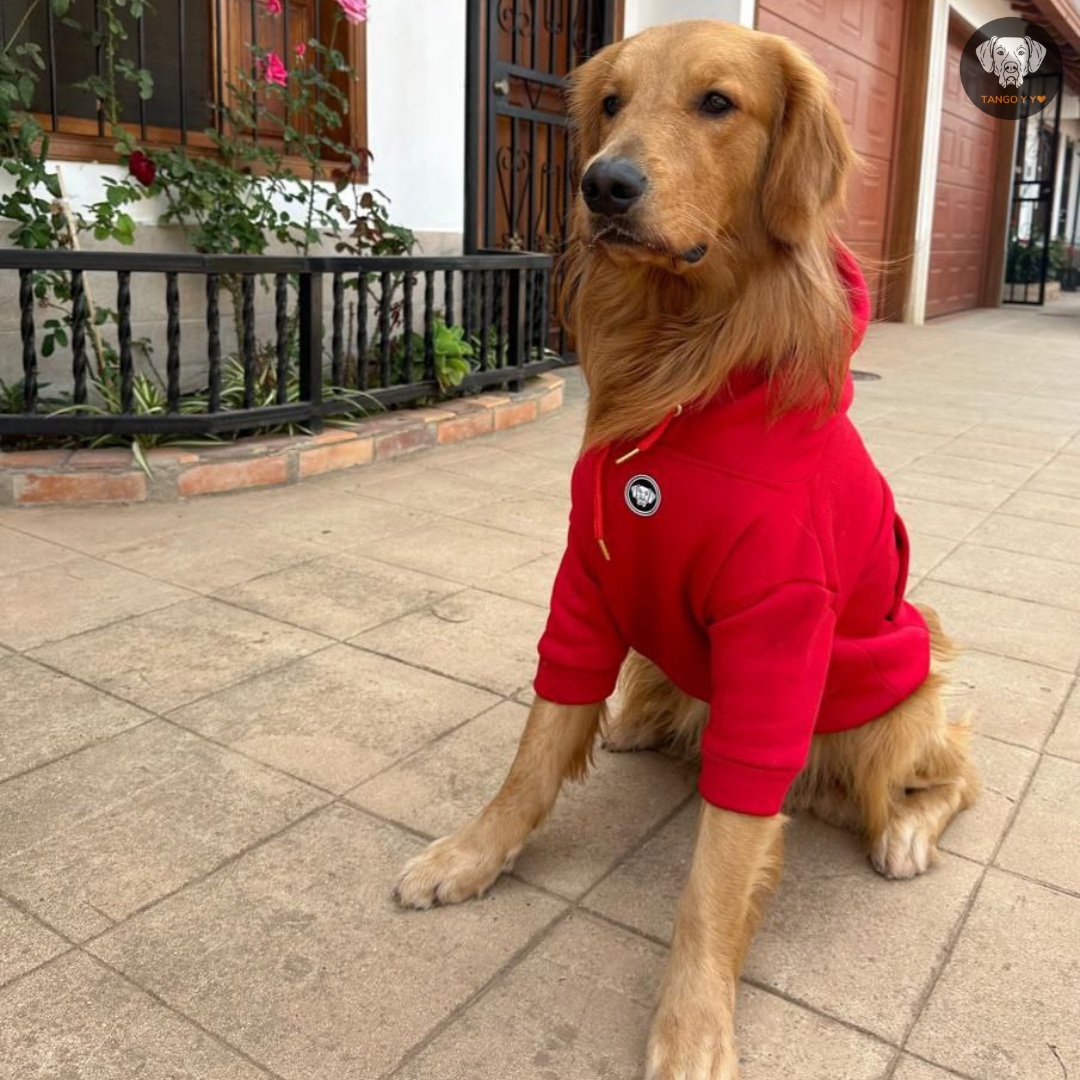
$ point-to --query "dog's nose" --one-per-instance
(611, 186)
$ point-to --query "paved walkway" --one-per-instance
(225, 725)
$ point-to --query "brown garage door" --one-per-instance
(963, 197)
(858, 44)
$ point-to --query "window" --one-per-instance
(178, 42)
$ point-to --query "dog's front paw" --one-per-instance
(453, 869)
(692, 1039)
(905, 848)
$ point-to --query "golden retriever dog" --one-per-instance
(703, 274)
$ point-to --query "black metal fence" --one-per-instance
(257, 342)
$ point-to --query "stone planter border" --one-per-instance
(78, 477)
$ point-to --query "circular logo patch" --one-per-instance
(1011, 68)
(643, 495)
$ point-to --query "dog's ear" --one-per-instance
(810, 156)
(985, 53)
(1036, 54)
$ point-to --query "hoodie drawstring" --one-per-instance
(598, 492)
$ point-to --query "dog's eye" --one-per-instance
(714, 104)
(611, 104)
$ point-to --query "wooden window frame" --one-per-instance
(78, 139)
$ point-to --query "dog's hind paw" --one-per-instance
(906, 847)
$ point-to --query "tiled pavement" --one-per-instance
(224, 725)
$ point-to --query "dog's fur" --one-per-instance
(657, 325)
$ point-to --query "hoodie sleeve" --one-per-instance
(582, 649)
(770, 649)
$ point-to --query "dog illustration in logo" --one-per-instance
(1011, 58)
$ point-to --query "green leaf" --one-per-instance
(60, 7)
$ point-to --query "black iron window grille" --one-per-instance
(197, 52)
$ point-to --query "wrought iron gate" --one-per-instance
(518, 170)
(1028, 257)
(518, 167)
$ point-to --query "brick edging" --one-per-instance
(78, 477)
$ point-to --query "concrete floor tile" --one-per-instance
(531, 514)
(846, 941)
(298, 954)
(1008, 699)
(91, 529)
(885, 436)
(643, 892)
(593, 825)
(1028, 536)
(489, 464)
(1045, 837)
(20, 551)
(903, 421)
(537, 441)
(983, 450)
(475, 636)
(339, 595)
(1011, 573)
(531, 582)
(460, 551)
(1005, 625)
(943, 463)
(1043, 507)
(94, 837)
(1011, 989)
(911, 1068)
(329, 514)
(76, 1020)
(435, 491)
(836, 936)
(44, 715)
(337, 717)
(1065, 741)
(167, 658)
(578, 1007)
(1015, 433)
(927, 551)
(24, 944)
(938, 519)
(1060, 477)
(75, 595)
(205, 557)
(890, 458)
(974, 494)
(1004, 770)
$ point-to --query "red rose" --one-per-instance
(142, 168)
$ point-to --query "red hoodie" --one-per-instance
(759, 564)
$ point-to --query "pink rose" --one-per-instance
(353, 10)
(274, 71)
(301, 48)
(273, 7)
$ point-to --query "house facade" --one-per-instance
(459, 104)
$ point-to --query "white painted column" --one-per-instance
(1059, 176)
(915, 302)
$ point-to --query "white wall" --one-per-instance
(416, 110)
(643, 13)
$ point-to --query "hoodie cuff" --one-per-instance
(745, 789)
(573, 686)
